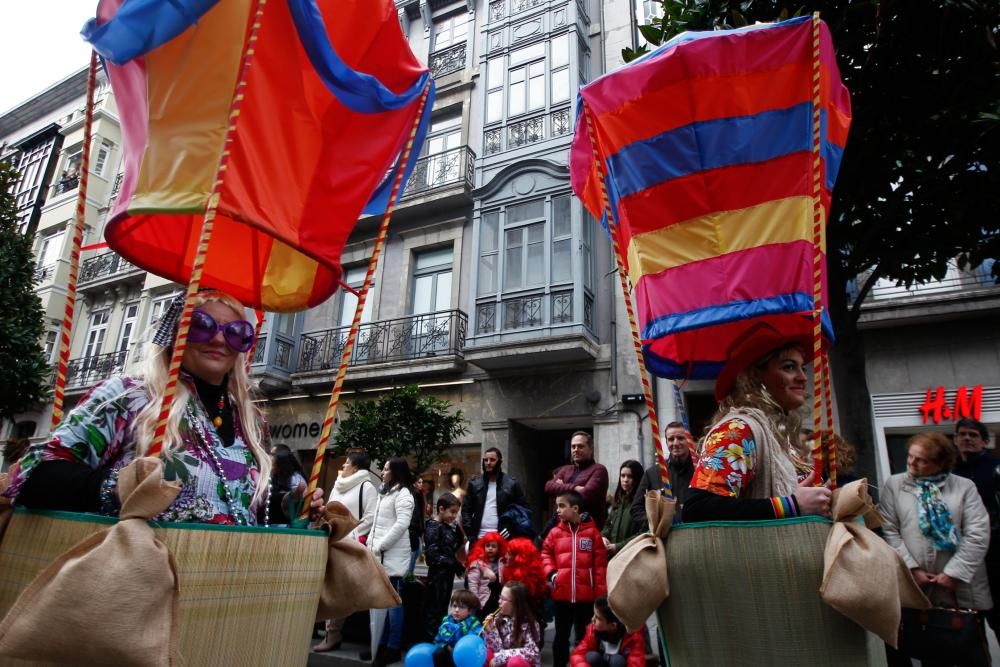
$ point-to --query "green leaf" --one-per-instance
(651, 34)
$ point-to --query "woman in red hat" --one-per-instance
(749, 468)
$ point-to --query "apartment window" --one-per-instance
(103, 157)
(51, 249)
(489, 263)
(354, 277)
(444, 160)
(494, 90)
(451, 30)
(70, 176)
(159, 307)
(51, 345)
(524, 245)
(129, 318)
(527, 88)
(432, 281)
(560, 68)
(562, 240)
(526, 269)
(96, 332)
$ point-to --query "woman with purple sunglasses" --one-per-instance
(216, 441)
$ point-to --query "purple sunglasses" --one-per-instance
(239, 334)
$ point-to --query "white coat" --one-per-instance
(358, 494)
(901, 529)
(390, 537)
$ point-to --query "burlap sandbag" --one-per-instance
(637, 575)
(863, 577)
(6, 509)
(112, 598)
(354, 580)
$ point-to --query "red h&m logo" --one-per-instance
(936, 408)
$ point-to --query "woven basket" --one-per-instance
(248, 596)
(747, 593)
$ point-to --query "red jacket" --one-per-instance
(593, 477)
(577, 555)
(633, 648)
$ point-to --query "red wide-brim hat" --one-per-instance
(750, 346)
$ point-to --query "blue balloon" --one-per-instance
(421, 655)
(470, 651)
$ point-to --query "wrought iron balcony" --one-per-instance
(105, 265)
(528, 131)
(523, 312)
(406, 338)
(65, 184)
(87, 371)
(116, 188)
(280, 357)
(448, 60)
(44, 272)
(440, 169)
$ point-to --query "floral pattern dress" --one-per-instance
(727, 464)
(499, 638)
(99, 432)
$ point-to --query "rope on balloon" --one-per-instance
(208, 223)
(820, 364)
(79, 221)
(345, 356)
(661, 459)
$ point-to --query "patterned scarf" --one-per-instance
(934, 515)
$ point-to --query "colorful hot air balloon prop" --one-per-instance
(323, 115)
(715, 156)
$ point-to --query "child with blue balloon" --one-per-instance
(460, 622)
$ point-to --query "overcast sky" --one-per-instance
(41, 45)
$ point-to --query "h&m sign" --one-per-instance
(967, 404)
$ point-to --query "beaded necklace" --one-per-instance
(217, 465)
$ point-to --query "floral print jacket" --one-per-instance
(99, 433)
(499, 638)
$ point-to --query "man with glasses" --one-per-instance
(489, 496)
(979, 465)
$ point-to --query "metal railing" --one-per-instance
(405, 338)
(433, 171)
(104, 266)
(65, 184)
(116, 188)
(522, 312)
(448, 60)
(86, 371)
(529, 131)
(956, 281)
(44, 272)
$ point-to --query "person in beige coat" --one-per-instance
(940, 571)
(939, 525)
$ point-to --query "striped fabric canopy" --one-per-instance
(330, 99)
(706, 149)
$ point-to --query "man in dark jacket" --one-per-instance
(584, 476)
(680, 464)
(979, 465)
(488, 497)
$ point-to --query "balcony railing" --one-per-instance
(523, 312)
(44, 272)
(955, 282)
(529, 131)
(116, 188)
(406, 338)
(65, 184)
(279, 357)
(105, 266)
(86, 371)
(434, 171)
(448, 60)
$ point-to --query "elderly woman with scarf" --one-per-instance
(215, 442)
(749, 468)
(939, 525)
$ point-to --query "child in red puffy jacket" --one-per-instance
(607, 644)
(576, 564)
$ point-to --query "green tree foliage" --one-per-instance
(24, 373)
(920, 182)
(404, 423)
